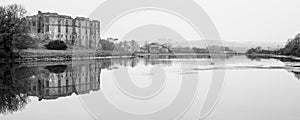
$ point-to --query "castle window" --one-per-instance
(33, 23)
(58, 28)
(47, 92)
(47, 83)
(47, 28)
(47, 19)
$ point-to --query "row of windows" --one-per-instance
(34, 24)
(60, 22)
(63, 36)
(70, 36)
(59, 29)
(91, 25)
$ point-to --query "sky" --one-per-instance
(235, 20)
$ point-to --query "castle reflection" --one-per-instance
(61, 80)
(50, 81)
(79, 77)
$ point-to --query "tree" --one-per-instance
(12, 26)
(107, 45)
(56, 45)
(25, 41)
(292, 47)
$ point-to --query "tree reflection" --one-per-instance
(12, 91)
(297, 74)
(280, 58)
(56, 68)
(54, 81)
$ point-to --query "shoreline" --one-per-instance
(37, 55)
(42, 55)
(274, 56)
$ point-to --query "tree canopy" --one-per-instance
(12, 29)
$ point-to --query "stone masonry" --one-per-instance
(79, 31)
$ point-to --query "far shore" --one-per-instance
(293, 58)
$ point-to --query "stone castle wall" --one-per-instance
(52, 26)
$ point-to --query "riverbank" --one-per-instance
(281, 57)
(43, 55)
(189, 54)
(75, 54)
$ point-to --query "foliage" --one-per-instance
(12, 28)
(56, 45)
(107, 45)
(200, 50)
(259, 50)
(25, 42)
(183, 50)
(127, 46)
(292, 47)
(209, 49)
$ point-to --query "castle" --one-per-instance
(52, 26)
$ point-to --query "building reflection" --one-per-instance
(50, 81)
(17, 82)
(62, 80)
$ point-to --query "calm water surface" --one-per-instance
(157, 87)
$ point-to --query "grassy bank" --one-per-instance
(44, 55)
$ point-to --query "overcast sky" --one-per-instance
(236, 20)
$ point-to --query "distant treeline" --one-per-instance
(209, 49)
(292, 48)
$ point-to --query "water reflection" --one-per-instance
(48, 82)
(291, 65)
(282, 59)
(13, 89)
(60, 80)
(297, 74)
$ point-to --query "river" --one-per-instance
(152, 88)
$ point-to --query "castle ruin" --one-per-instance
(79, 31)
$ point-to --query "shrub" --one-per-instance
(107, 45)
(56, 45)
(25, 41)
